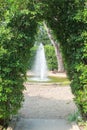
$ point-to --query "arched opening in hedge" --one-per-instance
(18, 27)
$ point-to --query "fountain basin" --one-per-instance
(39, 79)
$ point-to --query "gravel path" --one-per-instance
(47, 101)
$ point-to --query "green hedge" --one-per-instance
(51, 57)
(16, 38)
(32, 57)
(68, 20)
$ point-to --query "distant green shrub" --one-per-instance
(32, 57)
(51, 57)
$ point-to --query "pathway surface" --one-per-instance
(47, 101)
(43, 124)
(46, 107)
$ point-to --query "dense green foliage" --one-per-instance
(18, 25)
(17, 32)
(68, 20)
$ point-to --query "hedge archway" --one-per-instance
(19, 21)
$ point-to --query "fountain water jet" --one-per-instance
(40, 67)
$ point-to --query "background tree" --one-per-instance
(57, 49)
(45, 36)
(42, 37)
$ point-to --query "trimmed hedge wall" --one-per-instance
(68, 20)
(16, 38)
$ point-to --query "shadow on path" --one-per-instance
(47, 108)
(43, 124)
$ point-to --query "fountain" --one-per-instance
(40, 67)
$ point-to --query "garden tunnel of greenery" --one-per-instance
(18, 25)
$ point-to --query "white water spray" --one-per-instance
(40, 67)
